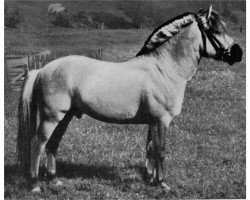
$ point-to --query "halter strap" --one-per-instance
(219, 48)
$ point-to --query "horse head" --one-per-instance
(216, 42)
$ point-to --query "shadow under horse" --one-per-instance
(147, 89)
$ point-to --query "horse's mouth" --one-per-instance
(235, 55)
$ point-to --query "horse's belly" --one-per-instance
(109, 105)
(109, 110)
(106, 111)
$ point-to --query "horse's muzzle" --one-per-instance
(234, 55)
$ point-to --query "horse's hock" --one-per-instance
(17, 64)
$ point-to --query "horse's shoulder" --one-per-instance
(165, 97)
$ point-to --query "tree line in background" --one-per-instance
(139, 14)
(12, 18)
(90, 20)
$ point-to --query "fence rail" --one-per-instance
(17, 64)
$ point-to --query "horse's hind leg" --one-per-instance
(53, 144)
(38, 143)
(156, 148)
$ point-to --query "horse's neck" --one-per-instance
(181, 54)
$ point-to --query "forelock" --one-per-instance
(215, 22)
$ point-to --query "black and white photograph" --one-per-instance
(112, 99)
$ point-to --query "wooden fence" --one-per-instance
(17, 64)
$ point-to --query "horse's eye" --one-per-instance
(216, 31)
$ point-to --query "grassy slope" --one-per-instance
(71, 39)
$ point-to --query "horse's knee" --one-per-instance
(165, 120)
(163, 126)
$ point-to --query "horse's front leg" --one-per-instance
(156, 149)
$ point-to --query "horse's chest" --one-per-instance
(168, 98)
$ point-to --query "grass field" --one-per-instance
(206, 143)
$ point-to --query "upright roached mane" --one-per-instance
(165, 32)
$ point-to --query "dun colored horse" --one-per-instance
(147, 89)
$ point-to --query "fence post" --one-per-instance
(28, 57)
(33, 61)
(42, 61)
(6, 78)
(37, 61)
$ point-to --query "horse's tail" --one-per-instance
(27, 116)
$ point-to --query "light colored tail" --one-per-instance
(27, 117)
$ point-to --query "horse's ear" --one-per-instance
(209, 12)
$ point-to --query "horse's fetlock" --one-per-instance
(51, 175)
(34, 184)
(150, 165)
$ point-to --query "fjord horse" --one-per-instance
(147, 89)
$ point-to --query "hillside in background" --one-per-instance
(121, 14)
(36, 32)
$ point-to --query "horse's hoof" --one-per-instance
(151, 181)
(154, 174)
(55, 182)
(149, 167)
(165, 186)
(36, 189)
(58, 183)
(34, 185)
(50, 176)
